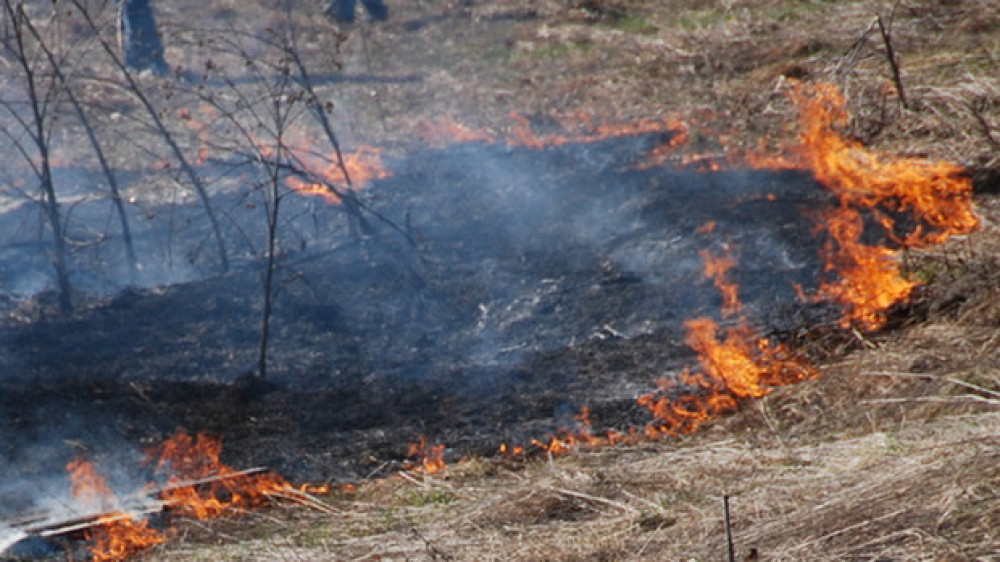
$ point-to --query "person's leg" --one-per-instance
(141, 43)
(377, 9)
(341, 10)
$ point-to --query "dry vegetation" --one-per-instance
(893, 454)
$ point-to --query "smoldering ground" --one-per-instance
(499, 287)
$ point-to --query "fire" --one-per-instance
(937, 195)
(739, 365)
(183, 458)
(362, 167)
(426, 459)
(511, 450)
(196, 484)
(586, 128)
(88, 487)
(447, 131)
(566, 440)
(716, 267)
(117, 535)
(576, 127)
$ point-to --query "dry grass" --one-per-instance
(894, 454)
(916, 491)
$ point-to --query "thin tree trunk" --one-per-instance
(92, 137)
(265, 320)
(50, 202)
(167, 137)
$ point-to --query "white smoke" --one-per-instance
(9, 537)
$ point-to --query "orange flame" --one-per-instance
(585, 128)
(576, 127)
(716, 267)
(119, 536)
(566, 440)
(362, 166)
(447, 130)
(426, 459)
(116, 536)
(741, 365)
(183, 458)
(937, 194)
(198, 484)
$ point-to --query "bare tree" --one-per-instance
(40, 92)
(262, 112)
(116, 197)
(165, 134)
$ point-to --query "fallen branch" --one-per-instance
(963, 384)
(729, 528)
(593, 499)
(935, 399)
(77, 524)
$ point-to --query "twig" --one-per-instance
(987, 130)
(890, 53)
(729, 529)
(964, 384)
(935, 399)
(594, 499)
(435, 552)
(851, 56)
(206, 480)
(406, 476)
(302, 498)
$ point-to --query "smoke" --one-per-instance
(9, 537)
(490, 273)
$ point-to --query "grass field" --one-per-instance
(893, 453)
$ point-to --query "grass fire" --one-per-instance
(499, 280)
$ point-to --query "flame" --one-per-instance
(566, 440)
(938, 196)
(119, 536)
(739, 365)
(447, 130)
(116, 535)
(89, 488)
(511, 450)
(575, 127)
(586, 128)
(716, 267)
(197, 484)
(183, 458)
(426, 459)
(362, 166)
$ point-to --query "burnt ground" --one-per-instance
(497, 291)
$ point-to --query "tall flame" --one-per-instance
(937, 195)
(716, 267)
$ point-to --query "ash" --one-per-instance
(498, 290)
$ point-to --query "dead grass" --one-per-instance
(893, 454)
(913, 491)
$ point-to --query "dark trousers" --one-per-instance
(140, 39)
(343, 10)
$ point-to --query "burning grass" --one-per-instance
(891, 454)
(910, 490)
